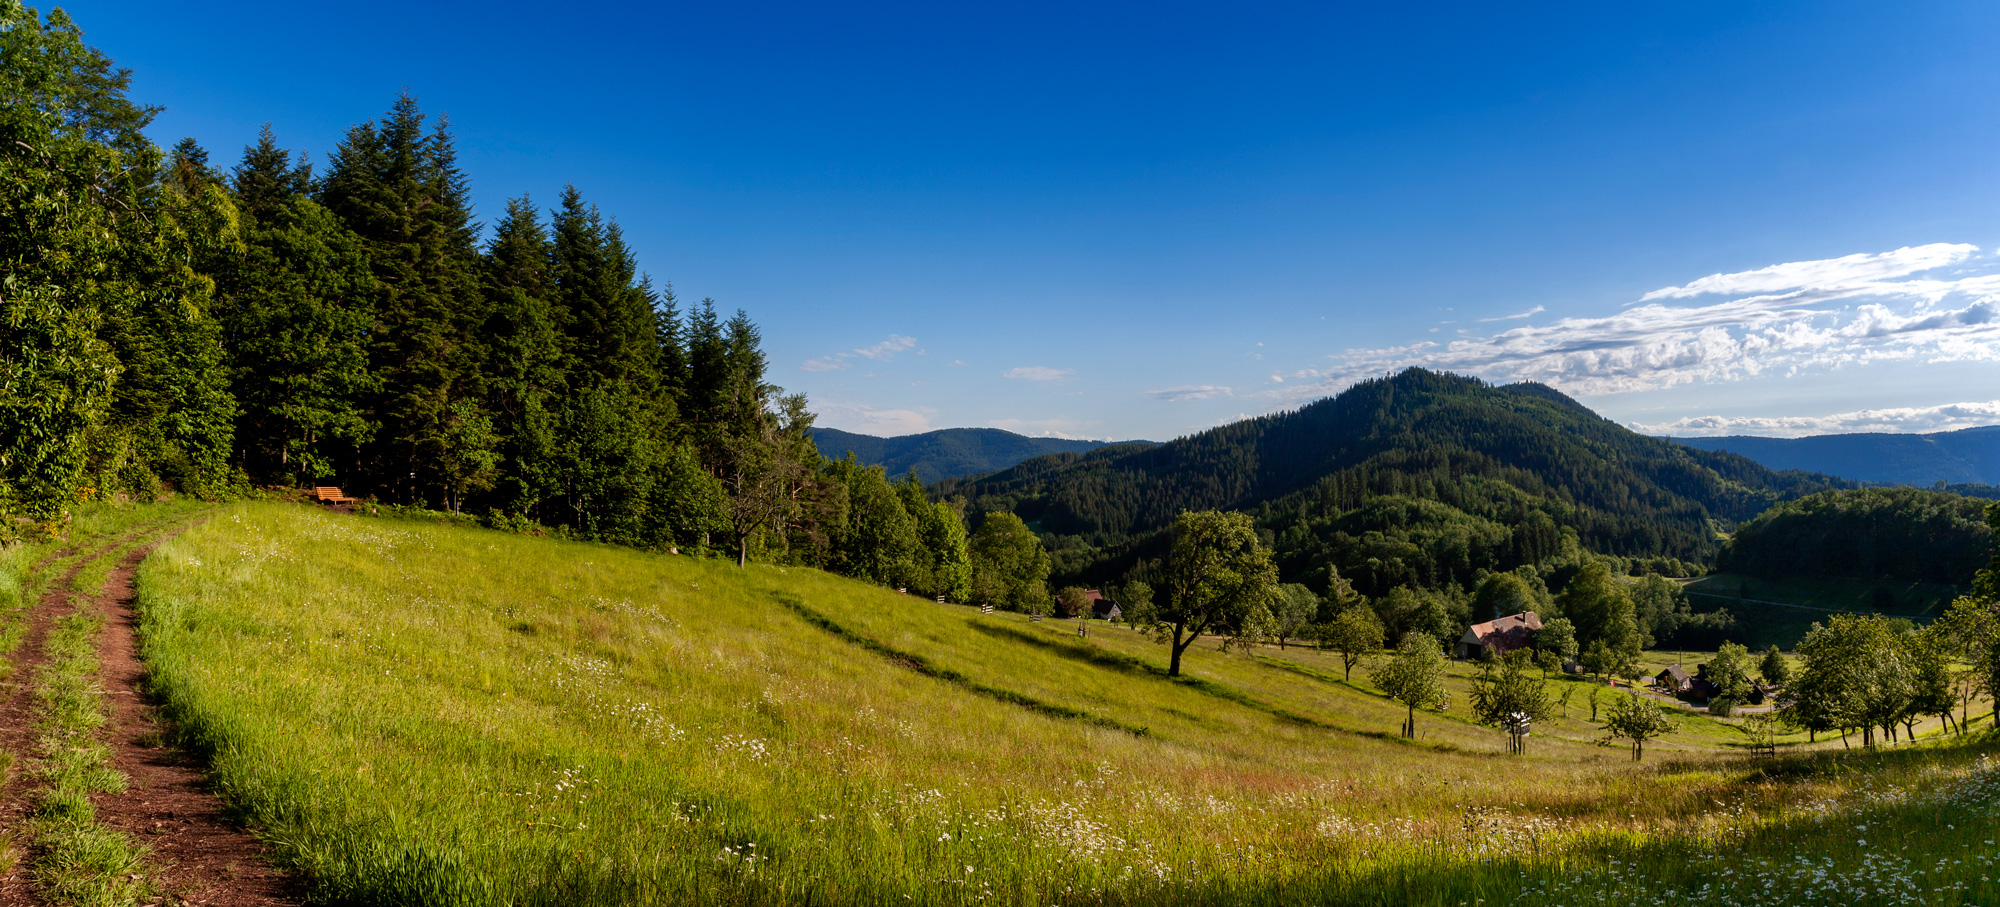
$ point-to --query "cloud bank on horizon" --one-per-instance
(1924, 304)
(1899, 420)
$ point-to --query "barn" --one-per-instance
(1499, 635)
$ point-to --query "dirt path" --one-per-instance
(203, 856)
(17, 718)
(206, 857)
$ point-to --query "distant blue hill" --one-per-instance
(949, 452)
(1968, 456)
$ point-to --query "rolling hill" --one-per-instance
(947, 452)
(419, 713)
(1418, 479)
(1968, 456)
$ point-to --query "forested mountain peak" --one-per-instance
(1499, 457)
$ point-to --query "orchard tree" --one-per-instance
(1729, 670)
(1218, 579)
(1292, 612)
(1075, 601)
(1637, 719)
(1354, 633)
(1507, 694)
(1415, 677)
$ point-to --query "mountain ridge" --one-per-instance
(1965, 456)
(947, 452)
(1420, 478)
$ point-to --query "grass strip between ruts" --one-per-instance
(78, 860)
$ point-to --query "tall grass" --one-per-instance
(439, 715)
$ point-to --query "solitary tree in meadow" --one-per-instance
(1637, 719)
(1218, 578)
(1292, 611)
(1415, 677)
(1507, 694)
(1354, 633)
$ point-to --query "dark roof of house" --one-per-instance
(1679, 675)
(1505, 634)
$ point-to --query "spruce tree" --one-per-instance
(524, 360)
(397, 185)
(298, 308)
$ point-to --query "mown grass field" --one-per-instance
(416, 713)
(1813, 599)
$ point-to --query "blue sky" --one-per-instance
(1141, 221)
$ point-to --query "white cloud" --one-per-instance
(1846, 312)
(1846, 270)
(1066, 429)
(868, 420)
(880, 352)
(1906, 419)
(1037, 373)
(1197, 392)
(1537, 310)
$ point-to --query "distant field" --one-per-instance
(1813, 599)
(426, 714)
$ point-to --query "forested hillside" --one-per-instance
(1869, 533)
(947, 452)
(172, 324)
(1969, 456)
(1420, 479)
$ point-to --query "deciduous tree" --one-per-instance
(1218, 576)
(1355, 633)
(1414, 677)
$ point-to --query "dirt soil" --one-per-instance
(205, 856)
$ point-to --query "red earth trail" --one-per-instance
(200, 854)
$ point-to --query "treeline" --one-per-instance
(1423, 480)
(1877, 674)
(173, 325)
(1866, 533)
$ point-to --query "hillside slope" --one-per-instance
(947, 452)
(1429, 476)
(1970, 456)
(418, 713)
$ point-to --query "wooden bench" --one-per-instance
(330, 495)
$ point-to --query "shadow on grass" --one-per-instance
(1139, 667)
(923, 666)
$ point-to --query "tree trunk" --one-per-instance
(1410, 724)
(1174, 663)
(742, 550)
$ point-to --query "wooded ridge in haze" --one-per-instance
(947, 452)
(1968, 456)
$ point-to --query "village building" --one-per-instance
(1102, 608)
(1499, 635)
(1674, 679)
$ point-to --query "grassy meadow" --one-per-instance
(425, 714)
